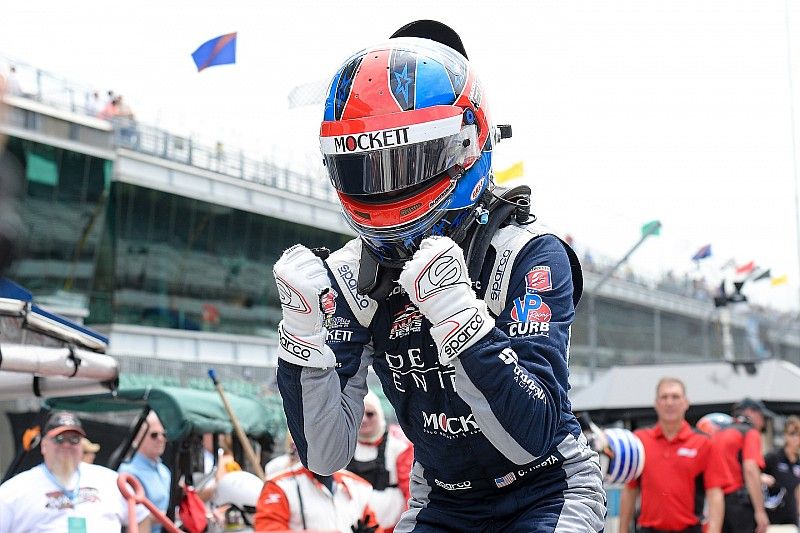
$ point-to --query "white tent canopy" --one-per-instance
(43, 354)
(628, 392)
(14, 385)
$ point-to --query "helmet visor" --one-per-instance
(378, 161)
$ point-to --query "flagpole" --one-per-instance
(794, 139)
(651, 228)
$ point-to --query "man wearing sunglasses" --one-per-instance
(146, 464)
(63, 493)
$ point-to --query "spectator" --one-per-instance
(227, 462)
(125, 122)
(217, 461)
(146, 464)
(93, 104)
(205, 482)
(675, 457)
(12, 83)
(782, 477)
(219, 156)
(123, 110)
(63, 493)
(384, 459)
(110, 109)
(299, 499)
(209, 453)
(740, 446)
(89, 449)
(284, 461)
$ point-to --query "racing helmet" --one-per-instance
(713, 422)
(240, 489)
(407, 142)
(621, 455)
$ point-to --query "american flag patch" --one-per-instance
(505, 481)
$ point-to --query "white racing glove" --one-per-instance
(437, 282)
(301, 278)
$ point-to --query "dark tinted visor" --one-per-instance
(395, 169)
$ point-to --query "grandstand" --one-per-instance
(169, 244)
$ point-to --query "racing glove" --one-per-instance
(437, 282)
(301, 278)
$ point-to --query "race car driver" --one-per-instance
(462, 309)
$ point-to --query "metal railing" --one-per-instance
(160, 143)
(45, 87)
(58, 92)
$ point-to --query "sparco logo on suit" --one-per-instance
(498, 275)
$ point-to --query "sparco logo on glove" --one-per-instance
(296, 346)
(467, 324)
(440, 287)
(304, 288)
(441, 273)
(291, 300)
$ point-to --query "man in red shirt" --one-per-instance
(675, 456)
(740, 446)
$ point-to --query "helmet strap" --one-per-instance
(374, 279)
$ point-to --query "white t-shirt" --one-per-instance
(31, 502)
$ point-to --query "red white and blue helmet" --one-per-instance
(241, 489)
(406, 139)
(713, 422)
(621, 455)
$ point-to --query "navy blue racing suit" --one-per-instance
(496, 446)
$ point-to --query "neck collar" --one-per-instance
(683, 431)
(143, 457)
(62, 486)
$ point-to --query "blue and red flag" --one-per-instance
(218, 51)
(702, 253)
(746, 268)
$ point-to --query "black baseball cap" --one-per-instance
(62, 421)
(757, 405)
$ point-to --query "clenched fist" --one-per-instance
(301, 279)
(437, 282)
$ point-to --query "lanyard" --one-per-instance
(71, 494)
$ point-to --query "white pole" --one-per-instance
(727, 338)
(793, 128)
